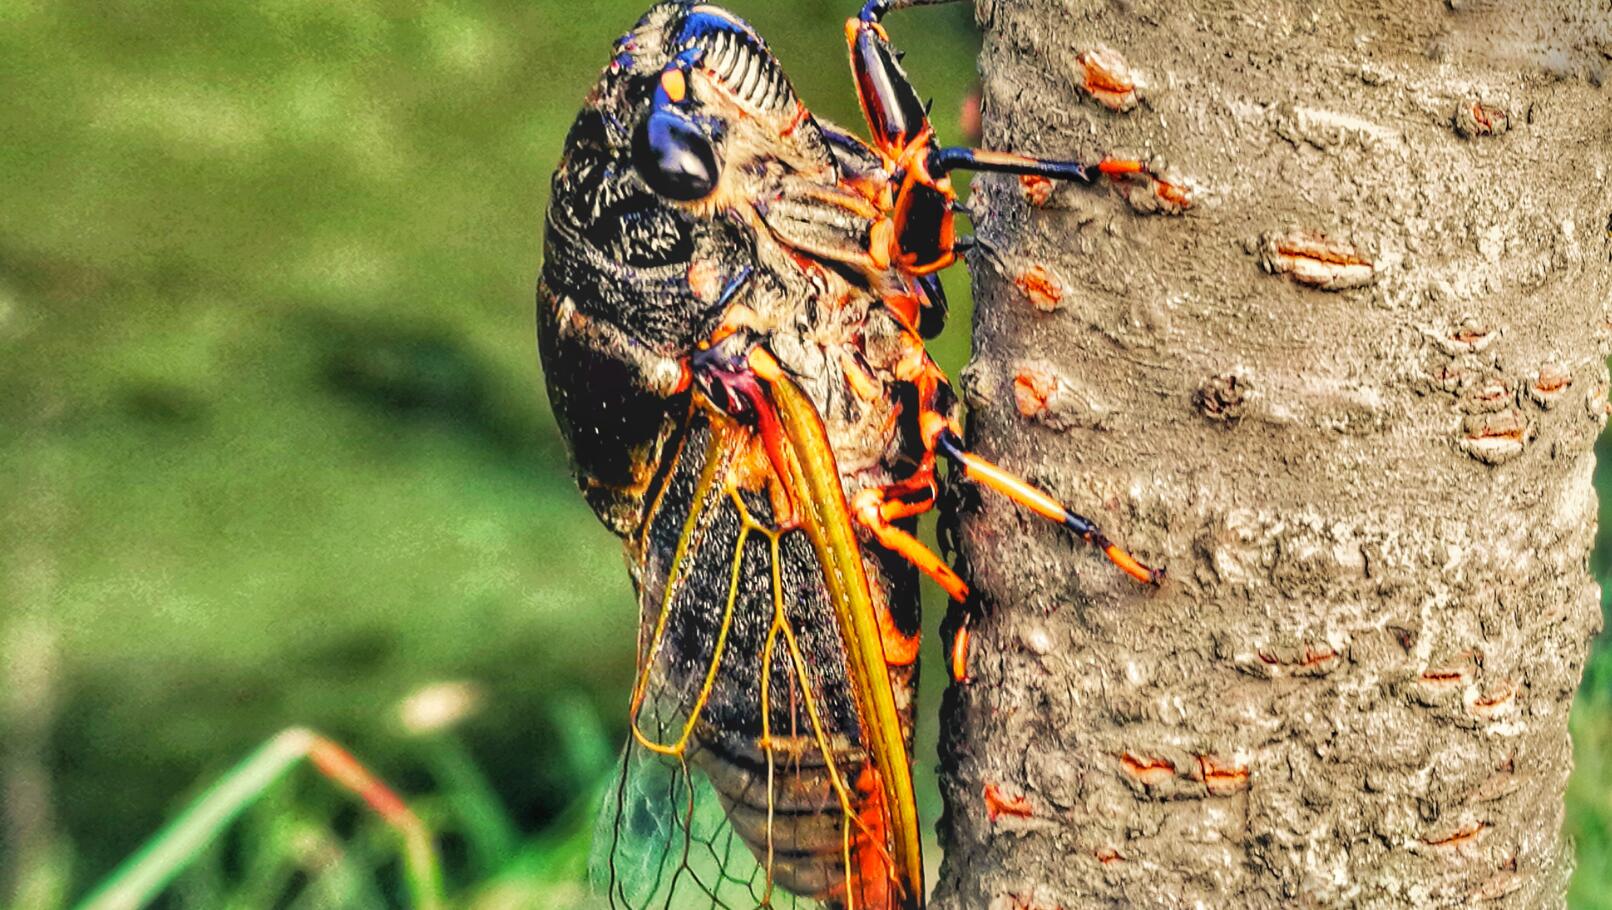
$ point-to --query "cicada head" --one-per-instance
(650, 225)
(682, 139)
(614, 247)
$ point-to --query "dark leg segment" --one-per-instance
(945, 160)
(874, 10)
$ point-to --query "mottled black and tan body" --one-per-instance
(745, 687)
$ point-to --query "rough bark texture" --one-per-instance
(1348, 400)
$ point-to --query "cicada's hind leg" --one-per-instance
(878, 509)
(984, 473)
(1021, 491)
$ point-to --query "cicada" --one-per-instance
(732, 312)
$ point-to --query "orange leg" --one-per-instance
(1038, 501)
(876, 513)
(959, 650)
(940, 435)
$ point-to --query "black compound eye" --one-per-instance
(674, 157)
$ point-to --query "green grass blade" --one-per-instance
(142, 876)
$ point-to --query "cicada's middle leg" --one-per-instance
(877, 509)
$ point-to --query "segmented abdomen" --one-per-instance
(798, 823)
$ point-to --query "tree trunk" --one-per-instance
(1348, 399)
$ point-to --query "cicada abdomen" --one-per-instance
(746, 719)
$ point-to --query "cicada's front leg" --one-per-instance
(901, 132)
(945, 160)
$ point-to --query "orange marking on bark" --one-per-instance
(1311, 258)
(1105, 71)
(1108, 855)
(1495, 701)
(1491, 392)
(1174, 193)
(1466, 835)
(1443, 677)
(1552, 378)
(1147, 771)
(1550, 383)
(1037, 189)
(1508, 426)
(1032, 388)
(1479, 119)
(1314, 658)
(1107, 78)
(1043, 288)
(1321, 249)
(1222, 779)
(998, 804)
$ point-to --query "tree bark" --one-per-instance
(1348, 399)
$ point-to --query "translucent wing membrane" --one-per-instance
(747, 780)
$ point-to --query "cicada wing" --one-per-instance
(746, 780)
(663, 841)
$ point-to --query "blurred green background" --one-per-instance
(274, 448)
